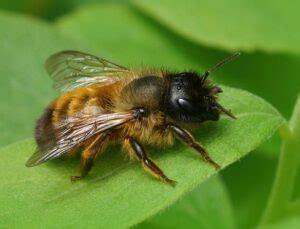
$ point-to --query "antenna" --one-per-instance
(220, 64)
(227, 112)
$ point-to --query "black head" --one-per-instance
(190, 97)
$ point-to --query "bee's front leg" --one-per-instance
(187, 138)
(148, 164)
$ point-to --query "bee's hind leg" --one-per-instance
(88, 156)
(187, 138)
(147, 163)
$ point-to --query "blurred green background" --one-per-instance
(174, 34)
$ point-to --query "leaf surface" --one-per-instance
(231, 25)
(133, 39)
(144, 43)
(121, 190)
(207, 206)
(25, 88)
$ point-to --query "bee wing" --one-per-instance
(75, 132)
(73, 69)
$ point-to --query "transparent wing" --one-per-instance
(75, 132)
(73, 69)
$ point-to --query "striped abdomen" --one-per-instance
(77, 103)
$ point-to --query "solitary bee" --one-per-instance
(106, 103)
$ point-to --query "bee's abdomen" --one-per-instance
(89, 100)
(44, 131)
(85, 100)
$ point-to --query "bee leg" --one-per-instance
(187, 138)
(147, 163)
(88, 157)
(86, 165)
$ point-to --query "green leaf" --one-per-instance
(26, 43)
(249, 183)
(231, 25)
(45, 195)
(32, 7)
(25, 88)
(264, 75)
(47, 9)
(207, 206)
(124, 38)
(134, 40)
(123, 191)
(144, 40)
(292, 222)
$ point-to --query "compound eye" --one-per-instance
(186, 105)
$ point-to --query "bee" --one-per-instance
(104, 103)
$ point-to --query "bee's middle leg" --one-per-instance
(88, 156)
(147, 163)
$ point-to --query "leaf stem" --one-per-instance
(281, 193)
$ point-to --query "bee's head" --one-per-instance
(192, 98)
